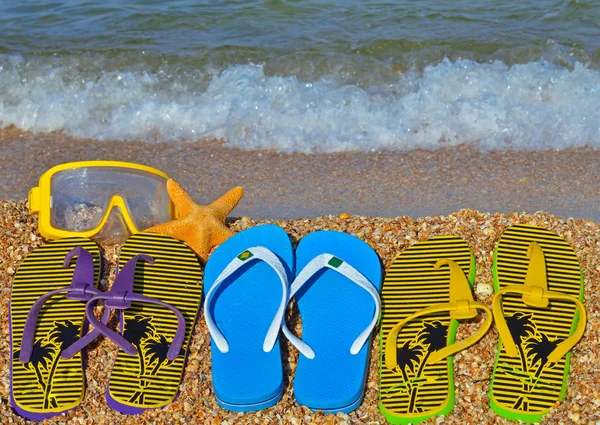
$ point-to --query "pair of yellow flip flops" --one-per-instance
(537, 310)
(155, 298)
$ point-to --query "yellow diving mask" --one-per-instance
(103, 200)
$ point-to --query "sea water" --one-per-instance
(306, 76)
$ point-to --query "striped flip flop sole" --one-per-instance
(414, 391)
(48, 383)
(526, 387)
(148, 379)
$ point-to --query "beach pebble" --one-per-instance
(484, 289)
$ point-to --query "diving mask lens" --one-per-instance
(81, 197)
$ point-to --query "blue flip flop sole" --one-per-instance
(334, 312)
(246, 378)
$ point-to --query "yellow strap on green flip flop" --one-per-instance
(535, 294)
(461, 306)
(539, 315)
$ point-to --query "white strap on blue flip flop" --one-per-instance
(251, 254)
(333, 262)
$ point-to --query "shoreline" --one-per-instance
(473, 367)
(292, 185)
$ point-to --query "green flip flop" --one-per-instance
(426, 291)
(539, 316)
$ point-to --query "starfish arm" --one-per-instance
(168, 228)
(200, 242)
(220, 235)
(180, 198)
(226, 203)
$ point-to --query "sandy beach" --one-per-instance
(303, 193)
(393, 122)
(196, 403)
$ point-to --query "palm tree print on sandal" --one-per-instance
(152, 351)
(165, 300)
(46, 356)
(534, 348)
(412, 358)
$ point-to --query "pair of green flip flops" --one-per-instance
(537, 310)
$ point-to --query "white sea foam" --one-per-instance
(532, 106)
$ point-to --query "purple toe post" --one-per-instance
(83, 275)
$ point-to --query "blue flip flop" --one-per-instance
(337, 291)
(246, 291)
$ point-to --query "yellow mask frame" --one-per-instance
(40, 200)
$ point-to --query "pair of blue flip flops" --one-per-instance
(249, 281)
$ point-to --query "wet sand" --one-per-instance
(284, 186)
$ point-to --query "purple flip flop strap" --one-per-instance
(81, 288)
(120, 297)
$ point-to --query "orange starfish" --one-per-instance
(202, 227)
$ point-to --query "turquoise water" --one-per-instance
(306, 76)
